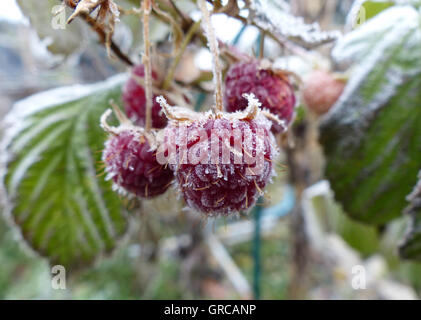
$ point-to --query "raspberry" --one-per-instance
(321, 90)
(229, 186)
(134, 98)
(274, 92)
(132, 165)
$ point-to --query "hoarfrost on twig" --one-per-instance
(286, 26)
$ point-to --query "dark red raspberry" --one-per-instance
(133, 166)
(274, 92)
(224, 188)
(134, 98)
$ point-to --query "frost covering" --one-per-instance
(371, 135)
(222, 164)
(132, 165)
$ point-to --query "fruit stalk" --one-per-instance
(299, 159)
(213, 46)
(146, 59)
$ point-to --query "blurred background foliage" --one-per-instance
(31, 62)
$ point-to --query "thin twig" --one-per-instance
(262, 45)
(283, 42)
(178, 11)
(177, 30)
(170, 75)
(146, 59)
(213, 46)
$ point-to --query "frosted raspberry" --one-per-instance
(234, 184)
(134, 98)
(321, 90)
(274, 92)
(132, 165)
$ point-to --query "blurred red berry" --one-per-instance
(321, 90)
(134, 98)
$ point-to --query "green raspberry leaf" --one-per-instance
(51, 153)
(372, 135)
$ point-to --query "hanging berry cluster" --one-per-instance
(219, 161)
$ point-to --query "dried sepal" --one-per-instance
(125, 124)
(269, 115)
(250, 113)
(107, 16)
(177, 113)
(83, 7)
